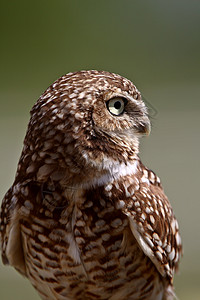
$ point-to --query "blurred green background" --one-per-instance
(156, 44)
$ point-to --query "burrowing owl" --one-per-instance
(84, 218)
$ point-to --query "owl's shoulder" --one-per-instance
(141, 198)
(136, 180)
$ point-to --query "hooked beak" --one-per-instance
(144, 127)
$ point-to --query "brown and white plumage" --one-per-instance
(84, 218)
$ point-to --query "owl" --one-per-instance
(84, 218)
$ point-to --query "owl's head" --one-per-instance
(85, 121)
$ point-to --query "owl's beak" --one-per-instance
(144, 127)
(148, 128)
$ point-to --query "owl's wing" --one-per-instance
(153, 223)
(10, 235)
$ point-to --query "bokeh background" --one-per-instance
(156, 44)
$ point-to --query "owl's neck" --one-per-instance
(110, 172)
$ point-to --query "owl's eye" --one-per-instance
(116, 105)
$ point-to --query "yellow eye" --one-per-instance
(116, 105)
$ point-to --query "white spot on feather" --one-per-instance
(172, 254)
(159, 255)
(178, 238)
(152, 219)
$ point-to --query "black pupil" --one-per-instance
(117, 105)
